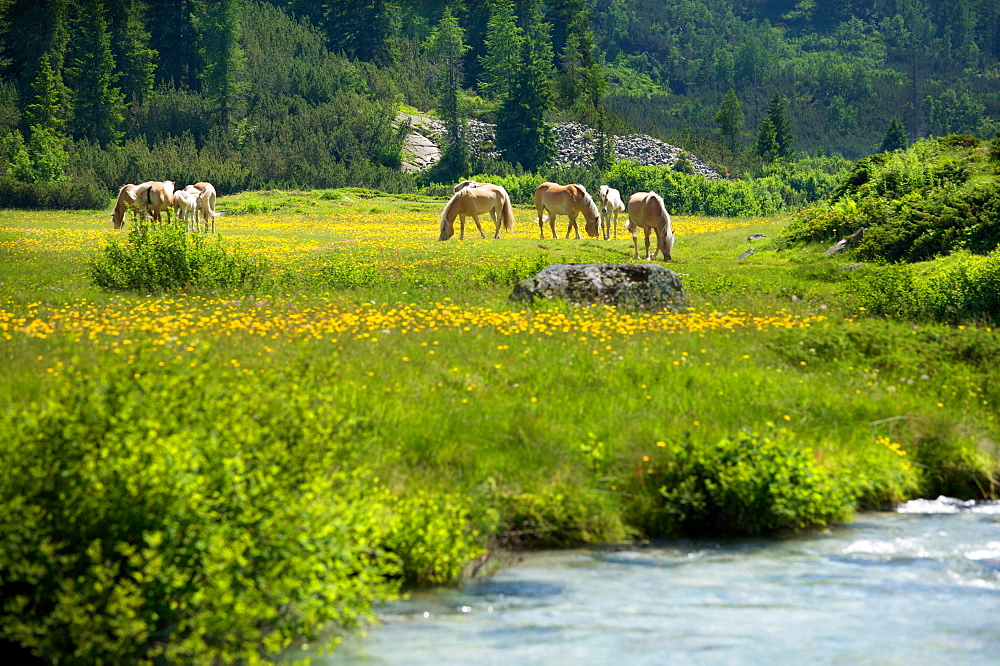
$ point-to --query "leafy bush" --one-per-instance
(753, 483)
(965, 288)
(63, 195)
(928, 201)
(169, 258)
(557, 517)
(198, 514)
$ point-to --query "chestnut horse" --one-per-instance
(611, 205)
(475, 200)
(646, 211)
(568, 200)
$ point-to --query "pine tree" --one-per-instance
(98, 105)
(766, 145)
(134, 59)
(896, 137)
(446, 47)
(783, 142)
(50, 98)
(175, 41)
(579, 69)
(729, 118)
(364, 29)
(223, 59)
(503, 47)
(521, 132)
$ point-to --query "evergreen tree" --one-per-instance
(97, 103)
(175, 41)
(896, 137)
(223, 59)
(729, 118)
(134, 59)
(766, 145)
(522, 135)
(783, 140)
(446, 47)
(364, 29)
(503, 47)
(50, 98)
(579, 69)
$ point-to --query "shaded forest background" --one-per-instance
(300, 93)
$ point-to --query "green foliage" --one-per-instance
(169, 258)
(754, 483)
(928, 201)
(558, 517)
(51, 196)
(142, 506)
(896, 137)
(964, 288)
(42, 160)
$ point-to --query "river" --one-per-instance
(920, 585)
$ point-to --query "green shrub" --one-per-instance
(199, 514)
(558, 517)
(753, 483)
(955, 467)
(169, 258)
(63, 195)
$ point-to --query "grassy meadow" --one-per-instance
(544, 425)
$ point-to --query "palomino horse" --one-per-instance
(475, 200)
(566, 200)
(646, 211)
(130, 198)
(611, 205)
(160, 198)
(206, 203)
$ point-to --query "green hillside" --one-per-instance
(254, 94)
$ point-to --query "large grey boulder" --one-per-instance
(641, 286)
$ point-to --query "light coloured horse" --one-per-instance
(475, 200)
(159, 198)
(569, 200)
(186, 207)
(206, 203)
(611, 205)
(128, 200)
(467, 183)
(646, 211)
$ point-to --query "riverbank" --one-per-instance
(380, 414)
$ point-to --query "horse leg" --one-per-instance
(495, 212)
(635, 243)
(478, 225)
(649, 257)
(573, 225)
(541, 223)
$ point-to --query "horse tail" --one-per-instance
(507, 211)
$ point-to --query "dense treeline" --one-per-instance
(304, 93)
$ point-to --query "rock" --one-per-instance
(641, 286)
(753, 237)
(837, 247)
(575, 145)
(854, 239)
(746, 254)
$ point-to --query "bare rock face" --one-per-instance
(639, 286)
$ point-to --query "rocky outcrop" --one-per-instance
(639, 286)
(575, 145)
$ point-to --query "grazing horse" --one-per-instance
(159, 198)
(467, 183)
(566, 200)
(127, 201)
(186, 207)
(475, 200)
(646, 210)
(206, 203)
(611, 205)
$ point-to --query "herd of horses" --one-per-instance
(194, 205)
(646, 211)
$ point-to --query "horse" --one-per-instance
(127, 201)
(467, 183)
(475, 200)
(611, 205)
(566, 200)
(646, 211)
(186, 207)
(206, 203)
(160, 198)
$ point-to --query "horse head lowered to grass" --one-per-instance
(474, 199)
(647, 211)
(569, 200)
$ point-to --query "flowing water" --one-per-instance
(917, 586)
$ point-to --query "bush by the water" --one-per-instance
(939, 196)
(169, 258)
(753, 483)
(202, 515)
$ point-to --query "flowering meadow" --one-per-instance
(378, 414)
